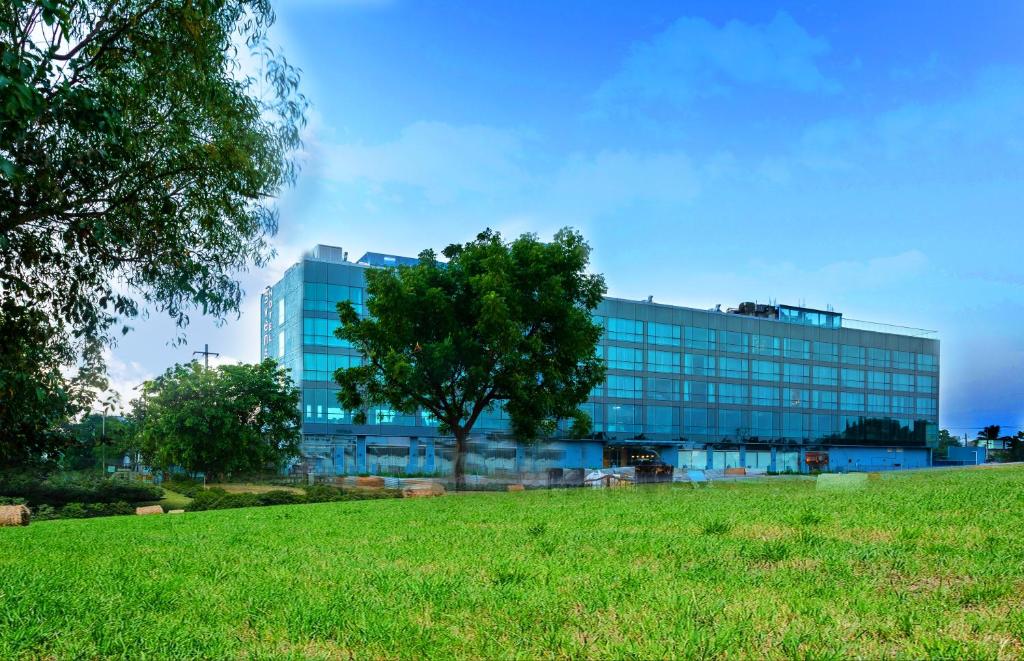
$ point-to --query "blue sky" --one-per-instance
(868, 156)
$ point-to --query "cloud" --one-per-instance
(441, 160)
(982, 120)
(609, 180)
(694, 59)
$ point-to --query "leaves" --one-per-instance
(500, 324)
(229, 419)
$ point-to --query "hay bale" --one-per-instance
(735, 471)
(149, 509)
(372, 482)
(516, 487)
(423, 490)
(176, 512)
(15, 515)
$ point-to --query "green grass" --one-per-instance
(173, 500)
(915, 565)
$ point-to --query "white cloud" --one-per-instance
(441, 160)
(694, 58)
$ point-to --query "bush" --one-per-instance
(186, 486)
(216, 498)
(67, 488)
(322, 493)
(281, 497)
(72, 511)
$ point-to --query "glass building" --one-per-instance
(773, 387)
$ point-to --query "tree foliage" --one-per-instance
(499, 324)
(138, 163)
(225, 420)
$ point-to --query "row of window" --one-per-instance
(668, 390)
(320, 332)
(321, 366)
(633, 360)
(707, 339)
(321, 297)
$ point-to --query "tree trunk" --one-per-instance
(460, 460)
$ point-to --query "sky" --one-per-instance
(867, 156)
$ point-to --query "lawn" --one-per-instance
(929, 564)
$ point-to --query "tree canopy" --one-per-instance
(138, 164)
(498, 324)
(225, 420)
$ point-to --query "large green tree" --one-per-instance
(232, 419)
(498, 324)
(138, 164)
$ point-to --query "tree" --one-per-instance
(499, 324)
(138, 164)
(96, 438)
(220, 421)
(946, 441)
(988, 434)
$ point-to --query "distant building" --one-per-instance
(774, 387)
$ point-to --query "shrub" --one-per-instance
(72, 511)
(216, 498)
(66, 488)
(322, 493)
(281, 497)
(186, 486)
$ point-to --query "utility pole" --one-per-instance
(206, 353)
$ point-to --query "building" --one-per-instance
(773, 387)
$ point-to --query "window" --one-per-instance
(700, 392)
(321, 366)
(733, 342)
(903, 404)
(693, 459)
(700, 338)
(733, 393)
(764, 396)
(796, 399)
(825, 376)
(926, 406)
(823, 425)
(280, 310)
(623, 418)
(764, 370)
(851, 401)
(852, 378)
(321, 297)
(663, 334)
(903, 382)
(698, 365)
(280, 344)
(663, 420)
(792, 373)
(731, 423)
(902, 360)
(794, 348)
(695, 421)
(663, 361)
(878, 357)
(320, 332)
(794, 425)
(852, 355)
(625, 330)
(927, 362)
(764, 345)
(764, 424)
(663, 390)
(625, 358)
(878, 403)
(733, 368)
(626, 387)
(926, 384)
(823, 399)
(878, 380)
(826, 352)
(321, 405)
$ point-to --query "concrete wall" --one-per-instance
(968, 455)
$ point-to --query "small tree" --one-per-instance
(500, 324)
(229, 419)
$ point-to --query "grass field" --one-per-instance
(917, 565)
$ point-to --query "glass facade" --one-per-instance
(697, 378)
